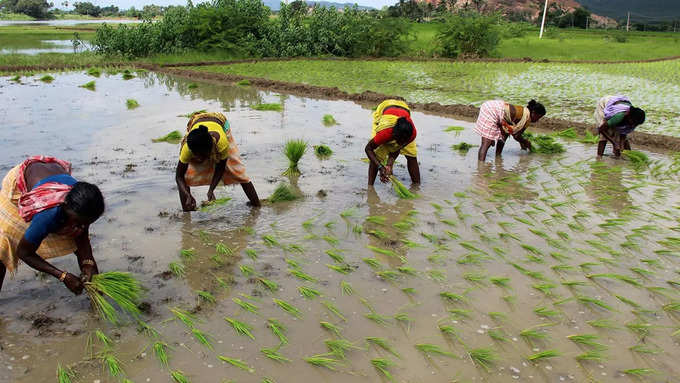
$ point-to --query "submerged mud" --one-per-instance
(503, 255)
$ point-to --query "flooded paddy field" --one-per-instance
(526, 268)
(568, 91)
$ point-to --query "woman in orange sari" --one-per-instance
(209, 155)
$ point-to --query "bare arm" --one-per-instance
(603, 131)
(185, 197)
(86, 262)
(26, 251)
(524, 143)
(217, 176)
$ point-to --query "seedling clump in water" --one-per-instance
(294, 150)
(329, 120)
(282, 193)
(121, 288)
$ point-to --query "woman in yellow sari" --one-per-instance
(209, 155)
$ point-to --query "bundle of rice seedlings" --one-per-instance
(637, 158)
(308, 292)
(590, 138)
(294, 150)
(567, 133)
(64, 374)
(202, 338)
(274, 354)
(183, 316)
(268, 107)
(544, 144)
(433, 349)
(95, 72)
(209, 205)
(127, 75)
(111, 363)
(243, 82)
(47, 78)
(334, 310)
(338, 347)
(178, 377)
(160, 349)
(383, 344)
(131, 103)
(177, 269)
(401, 190)
(640, 371)
(121, 288)
(192, 85)
(484, 357)
(382, 364)
(323, 360)
(454, 129)
(88, 85)
(16, 78)
(237, 363)
(329, 120)
(278, 329)
(287, 307)
(322, 151)
(336, 330)
(463, 147)
(282, 193)
(543, 355)
(246, 305)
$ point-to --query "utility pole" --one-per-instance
(628, 22)
(545, 10)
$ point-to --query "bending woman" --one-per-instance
(209, 155)
(616, 118)
(497, 120)
(46, 213)
(393, 133)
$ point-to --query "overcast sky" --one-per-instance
(139, 4)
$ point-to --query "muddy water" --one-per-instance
(475, 218)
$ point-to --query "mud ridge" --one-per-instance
(417, 59)
(62, 67)
(468, 112)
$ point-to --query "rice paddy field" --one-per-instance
(569, 91)
(528, 267)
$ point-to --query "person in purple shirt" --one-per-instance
(616, 118)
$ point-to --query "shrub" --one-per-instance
(469, 34)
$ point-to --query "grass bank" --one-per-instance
(568, 91)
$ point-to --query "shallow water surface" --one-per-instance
(514, 255)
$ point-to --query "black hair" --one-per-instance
(403, 130)
(86, 200)
(637, 115)
(536, 107)
(200, 141)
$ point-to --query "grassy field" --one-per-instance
(565, 44)
(569, 91)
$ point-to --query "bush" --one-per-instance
(515, 30)
(469, 34)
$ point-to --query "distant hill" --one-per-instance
(275, 5)
(618, 9)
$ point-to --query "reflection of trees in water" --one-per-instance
(605, 189)
(228, 95)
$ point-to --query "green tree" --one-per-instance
(469, 34)
(87, 8)
(34, 8)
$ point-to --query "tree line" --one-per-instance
(42, 10)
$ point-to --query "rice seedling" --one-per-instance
(178, 377)
(336, 330)
(643, 349)
(342, 269)
(160, 350)
(273, 107)
(640, 371)
(589, 138)
(591, 355)
(534, 333)
(111, 363)
(623, 278)
(322, 151)
(376, 219)
(338, 347)
(177, 269)
(378, 234)
(483, 357)
(588, 340)
(301, 275)
(47, 79)
(409, 290)
(328, 120)
(407, 270)
(100, 336)
(309, 292)
(268, 284)
(462, 147)
(459, 314)
(274, 354)
(16, 78)
(236, 363)
(202, 338)
(640, 328)
(401, 190)
(127, 75)
(205, 296)
(89, 85)
(94, 72)
(278, 329)
(173, 137)
(246, 270)
(377, 318)
(246, 305)
(323, 361)
(131, 103)
(346, 288)
(121, 288)
(433, 349)
(454, 129)
(593, 301)
(637, 158)
(243, 82)
(543, 355)
(404, 319)
(545, 312)
(64, 374)
(331, 240)
(386, 252)
(642, 272)
(287, 307)
(498, 316)
(251, 253)
(437, 275)
(498, 335)
(662, 291)
(334, 310)
(382, 365)
(283, 193)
